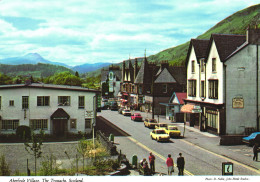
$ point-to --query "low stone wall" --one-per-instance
(105, 142)
(231, 140)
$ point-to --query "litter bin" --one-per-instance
(111, 137)
(134, 160)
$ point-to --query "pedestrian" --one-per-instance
(180, 164)
(170, 164)
(142, 162)
(255, 151)
(146, 169)
(151, 161)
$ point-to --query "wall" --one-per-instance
(44, 112)
(241, 82)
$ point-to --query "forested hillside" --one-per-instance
(36, 70)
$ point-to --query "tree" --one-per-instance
(34, 147)
(77, 74)
(82, 148)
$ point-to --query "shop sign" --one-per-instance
(237, 102)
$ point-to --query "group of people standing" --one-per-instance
(169, 163)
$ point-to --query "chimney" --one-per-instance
(253, 35)
(123, 71)
(164, 64)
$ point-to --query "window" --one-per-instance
(202, 89)
(214, 65)
(87, 123)
(213, 89)
(192, 88)
(202, 66)
(11, 102)
(9, 124)
(64, 100)
(25, 102)
(193, 66)
(81, 102)
(37, 124)
(164, 88)
(43, 100)
(73, 123)
(140, 89)
(212, 118)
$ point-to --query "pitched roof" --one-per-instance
(179, 73)
(226, 44)
(181, 96)
(165, 77)
(200, 48)
(60, 114)
(144, 75)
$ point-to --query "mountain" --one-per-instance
(31, 58)
(89, 67)
(234, 24)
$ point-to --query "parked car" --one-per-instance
(136, 117)
(126, 112)
(159, 135)
(150, 123)
(161, 126)
(252, 139)
(120, 110)
(173, 131)
(114, 106)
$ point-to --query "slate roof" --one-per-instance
(179, 73)
(226, 44)
(60, 114)
(200, 48)
(164, 76)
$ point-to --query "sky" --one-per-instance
(75, 32)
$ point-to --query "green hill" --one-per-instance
(234, 24)
(36, 70)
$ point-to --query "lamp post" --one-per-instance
(94, 119)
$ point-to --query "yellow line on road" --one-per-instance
(223, 157)
(155, 153)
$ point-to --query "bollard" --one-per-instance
(134, 160)
(111, 138)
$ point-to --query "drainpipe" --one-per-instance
(257, 118)
(225, 99)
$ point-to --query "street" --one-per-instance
(203, 155)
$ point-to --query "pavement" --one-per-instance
(237, 154)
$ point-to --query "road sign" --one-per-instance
(89, 114)
(227, 168)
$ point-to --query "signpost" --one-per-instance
(227, 168)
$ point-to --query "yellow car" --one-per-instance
(150, 123)
(173, 131)
(161, 126)
(159, 135)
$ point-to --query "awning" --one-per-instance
(191, 108)
(60, 114)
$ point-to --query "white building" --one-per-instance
(223, 83)
(56, 109)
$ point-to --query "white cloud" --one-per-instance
(77, 31)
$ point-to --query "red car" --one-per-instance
(136, 117)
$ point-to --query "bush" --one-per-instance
(49, 166)
(23, 132)
(4, 167)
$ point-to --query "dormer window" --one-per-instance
(214, 65)
(193, 66)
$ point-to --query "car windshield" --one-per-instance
(127, 110)
(137, 114)
(152, 121)
(172, 128)
(163, 125)
(160, 132)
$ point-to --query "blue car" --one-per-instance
(252, 139)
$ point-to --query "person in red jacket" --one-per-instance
(170, 164)
(151, 161)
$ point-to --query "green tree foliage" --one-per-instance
(92, 82)
(4, 167)
(4, 79)
(82, 148)
(64, 78)
(77, 74)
